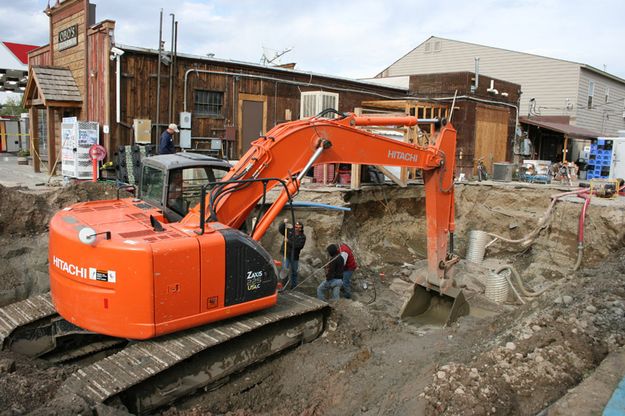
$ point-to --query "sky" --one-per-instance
(354, 39)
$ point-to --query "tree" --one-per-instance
(12, 107)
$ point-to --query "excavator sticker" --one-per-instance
(254, 280)
(102, 275)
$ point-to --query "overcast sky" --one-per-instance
(355, 39)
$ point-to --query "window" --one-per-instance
(185, 186)
(607, 94)
(208, 103)
(437, 46)
(591, 92)
(152, 185)
(428, 47)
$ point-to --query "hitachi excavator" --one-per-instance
(123, 269)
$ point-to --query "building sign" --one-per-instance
(68, 37)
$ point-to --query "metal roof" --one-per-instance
(569, 130)
(258, 66)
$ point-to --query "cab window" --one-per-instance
(152, 184)
(185, 186)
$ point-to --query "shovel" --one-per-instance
(285, 275)
(433, 303)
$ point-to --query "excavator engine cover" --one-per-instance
(250, 273)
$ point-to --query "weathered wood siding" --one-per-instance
(281, 89)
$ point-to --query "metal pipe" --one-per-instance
(314, 157)
(118, 82)
(279, 80)
(158, 73)
(171, 70)
(477, 72)
(175, 64)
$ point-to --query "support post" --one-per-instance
(34, 139)
(52, 154)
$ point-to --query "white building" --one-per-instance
(13, 69)
(591, 98)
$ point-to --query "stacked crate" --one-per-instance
(600, 159)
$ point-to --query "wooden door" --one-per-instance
(252, 120)
(491, 135)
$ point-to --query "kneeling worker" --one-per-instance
(334, 274)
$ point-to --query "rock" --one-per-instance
(441, 375)
(591, 309)
(7, 365)
(511, 346)
(536, 328)
(459, 391)
(567, 299)
(558, 300)
(539, 359)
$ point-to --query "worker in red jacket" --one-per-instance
(348, 270)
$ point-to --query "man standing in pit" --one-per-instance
(166, 143)
(348, 270)
(295, 239)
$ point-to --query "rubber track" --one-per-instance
(24, 312)
(144, 359)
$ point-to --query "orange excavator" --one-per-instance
(139, 277)
(157, 270)
(119, 268)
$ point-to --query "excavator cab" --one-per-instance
(173, 183)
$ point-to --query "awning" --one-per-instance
(566, 129)
(51, 87)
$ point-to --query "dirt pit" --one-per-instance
(512, 359)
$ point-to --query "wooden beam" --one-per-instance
(354, 182)
(51, 141)
(63, 104)
(34, 138)
(390, 174)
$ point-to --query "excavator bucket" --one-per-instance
(431, 305)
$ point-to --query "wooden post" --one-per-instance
(34, 138)
(566, 143)
(354, 182)
(51, 141)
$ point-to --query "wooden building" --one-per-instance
(485, 114)
(219, 104)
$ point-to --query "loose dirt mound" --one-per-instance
(24, 219)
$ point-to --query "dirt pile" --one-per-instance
(24, 219)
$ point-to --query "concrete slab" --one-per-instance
(591, 396)
(14, 175)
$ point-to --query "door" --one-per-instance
(3, 137)
(618, 159)
(252, 119)
(252, 123)
(491, 135)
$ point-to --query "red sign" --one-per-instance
(97, 152)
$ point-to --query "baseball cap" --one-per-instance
(174, 127)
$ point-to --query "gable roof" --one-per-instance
(585, 66)
(51, 86)
(20, 50)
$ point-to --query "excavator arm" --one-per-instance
(289, 150)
